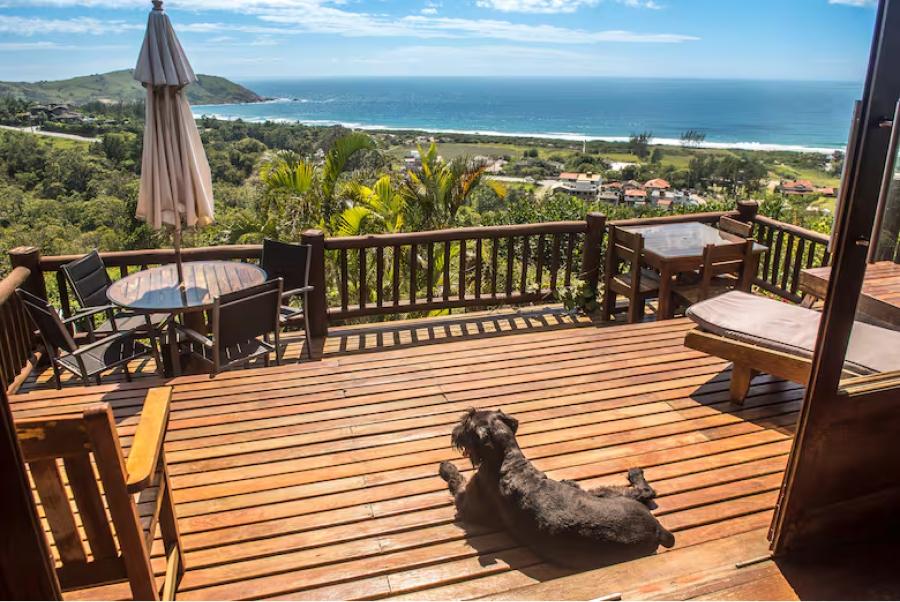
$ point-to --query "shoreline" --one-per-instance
(557, 136)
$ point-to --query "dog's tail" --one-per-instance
(666, 539)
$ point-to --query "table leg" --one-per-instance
(665, 294)
(174, 356)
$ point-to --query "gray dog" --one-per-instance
(557, 519)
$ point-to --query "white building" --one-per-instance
(583, 185)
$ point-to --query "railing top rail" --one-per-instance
(454, 234)
(706, 217)
(796, 230)
(150, 256)
(14, 280)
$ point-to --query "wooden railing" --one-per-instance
(16, 332)
(393, 274)
(791, 249)
(463, 267)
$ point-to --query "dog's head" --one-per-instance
(484, 434)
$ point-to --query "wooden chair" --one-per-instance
(724, 268)
(291, 263)
(733, 226)
(634, 282)
(241, 324)
(118, 543)
(87, 361)
(89, 280)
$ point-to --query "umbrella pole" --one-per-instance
(178, 262)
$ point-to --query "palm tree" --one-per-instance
(435, 192)
(377, 209)
(302, 194)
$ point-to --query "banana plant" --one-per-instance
(302, 194)
(435, 192)
(377, 209)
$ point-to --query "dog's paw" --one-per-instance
(635, 476)
(448, 471)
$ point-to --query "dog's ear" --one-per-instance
(466, 436)
(509, 421)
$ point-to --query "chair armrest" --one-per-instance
(146, 447)
(296, 291)
(194, 336)
(87, 312)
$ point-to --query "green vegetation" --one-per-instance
(120, 87)
(274, 179)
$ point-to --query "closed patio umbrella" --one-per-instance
(176, 184)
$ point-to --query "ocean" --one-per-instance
(763, 115)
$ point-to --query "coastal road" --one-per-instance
(37, 132)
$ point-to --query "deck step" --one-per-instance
(674, 575)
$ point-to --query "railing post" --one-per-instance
(30, 257)
(317, 312)
(592, 256)
(747, 210)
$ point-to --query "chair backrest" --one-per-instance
(76, 440)
(625, 247)
(89, 279)
(47, 320)
(287, 261)
(720, 260)
(733, 226)
(247, 314)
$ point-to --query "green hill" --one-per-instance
(118, 86)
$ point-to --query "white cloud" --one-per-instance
(288, 17)
(556, 6)
(34, 46)
(79, 25)
(651, 4)
(536, 6)
(853, 2)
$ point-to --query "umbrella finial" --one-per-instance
(157, 5)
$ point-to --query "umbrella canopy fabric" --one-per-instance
(176, 184)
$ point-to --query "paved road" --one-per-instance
(37, 132)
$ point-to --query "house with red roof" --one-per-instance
(796, 187)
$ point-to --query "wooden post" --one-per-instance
(747, 210)
(317, 312)
(30, 257)
(592, 255)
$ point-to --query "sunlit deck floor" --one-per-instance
(319, 480)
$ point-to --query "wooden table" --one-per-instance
(156, 291)
(675, 248)
(880, 299)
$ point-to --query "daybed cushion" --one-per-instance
(793, 329)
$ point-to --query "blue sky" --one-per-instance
(758, 39)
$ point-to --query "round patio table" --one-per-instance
(156, 290)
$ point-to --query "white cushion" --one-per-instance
(793, 329)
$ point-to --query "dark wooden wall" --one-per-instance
(25, 569)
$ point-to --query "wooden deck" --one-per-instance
(319, 480)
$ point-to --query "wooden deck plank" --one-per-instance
(318, 480)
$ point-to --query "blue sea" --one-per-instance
(764, 115)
